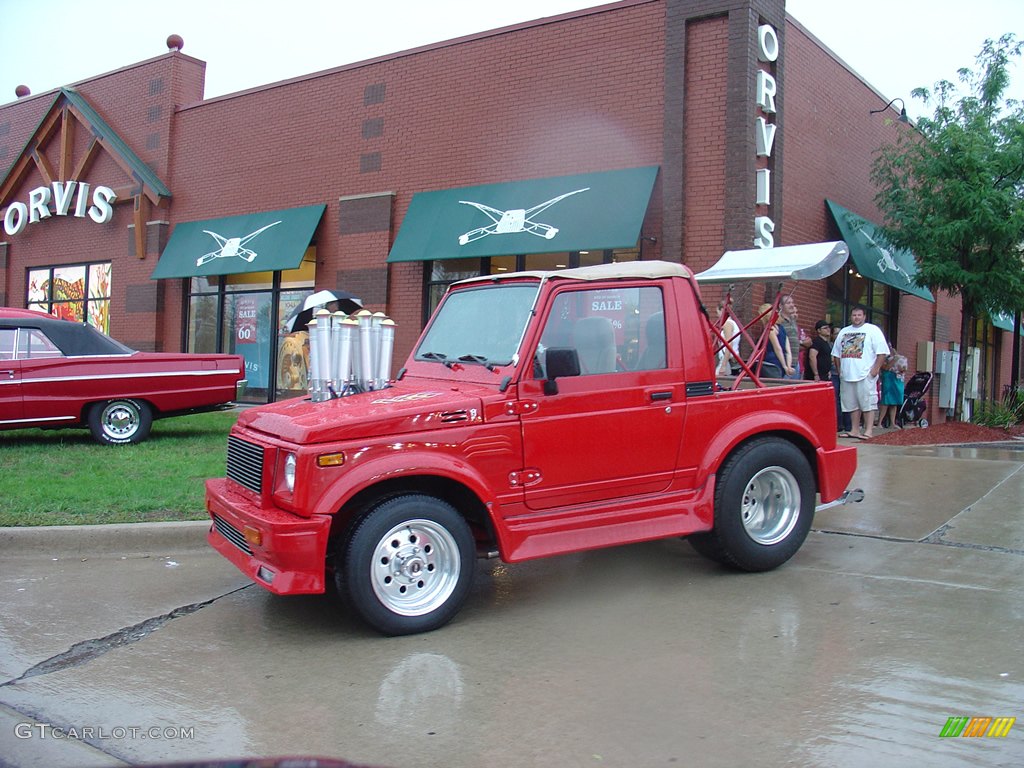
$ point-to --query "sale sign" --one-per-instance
(245, 320)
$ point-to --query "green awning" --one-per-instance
(1002, 321)
(254, 242)
(874, 261)
(591, 211)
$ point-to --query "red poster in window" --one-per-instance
(245, 320)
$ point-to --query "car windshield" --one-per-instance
(479, 326)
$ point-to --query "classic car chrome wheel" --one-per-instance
(120, 421)
(408, 565)
(764, 506)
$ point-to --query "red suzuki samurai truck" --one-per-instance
(540, 413)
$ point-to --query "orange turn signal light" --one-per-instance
(253, 535)
(330, 459)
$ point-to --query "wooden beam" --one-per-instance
(46, 129)
(86, 160)
(118, 160)
(141, 214)
(45, 169)
(67, 143)
(15, 177)
(32, 156)
(125, 193)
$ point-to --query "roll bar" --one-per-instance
(812, 261)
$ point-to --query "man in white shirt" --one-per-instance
(859, 352)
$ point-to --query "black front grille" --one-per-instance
(245, 464)
(232, 534)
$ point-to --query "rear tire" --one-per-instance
(764, 506)
(117, 422)
(408, 566)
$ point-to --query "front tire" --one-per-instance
(117, 422)
(764, 506)
(407, 566)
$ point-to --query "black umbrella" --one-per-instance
(300, 318)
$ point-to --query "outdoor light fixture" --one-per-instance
(903, 112)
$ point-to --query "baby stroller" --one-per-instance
(914, 405)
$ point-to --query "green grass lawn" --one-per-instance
(63, 477)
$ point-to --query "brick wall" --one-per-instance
(704, 143)
(583, 94)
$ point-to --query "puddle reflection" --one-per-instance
(422, 686)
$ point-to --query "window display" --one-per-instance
(79, 292)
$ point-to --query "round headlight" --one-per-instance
(289, 472)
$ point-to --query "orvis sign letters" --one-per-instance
(62, 198)
(764, 133)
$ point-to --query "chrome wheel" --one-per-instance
(764, 505)
(120, 420)
(117, 422)
(415, 567)
(771, 505)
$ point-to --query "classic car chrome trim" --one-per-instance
(88, 357)
(45, 418)
(94, 377)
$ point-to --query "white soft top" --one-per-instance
(813, 261)
(625, 269)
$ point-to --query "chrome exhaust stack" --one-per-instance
(349, 355)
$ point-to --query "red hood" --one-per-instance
(404, 408)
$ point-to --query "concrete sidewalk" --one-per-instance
(120, 538)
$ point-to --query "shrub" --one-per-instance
(993, 414)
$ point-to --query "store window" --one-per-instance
(78, 292)
(983, 336)
(248, 314)
(847, 288)
(442, 273)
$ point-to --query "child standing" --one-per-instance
(892, 378)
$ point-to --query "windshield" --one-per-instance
(479, 325)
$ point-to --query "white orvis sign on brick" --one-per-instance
(764, 132)
(62, 198)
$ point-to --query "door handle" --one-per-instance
(656, 396)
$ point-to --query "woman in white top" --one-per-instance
(731, 333)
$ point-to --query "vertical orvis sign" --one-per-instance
(766, 90)
(67, 197)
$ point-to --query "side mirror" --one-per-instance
(559, 361)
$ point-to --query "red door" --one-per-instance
(613, 431)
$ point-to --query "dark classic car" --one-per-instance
(56, 373)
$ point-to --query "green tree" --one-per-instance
(952, 191)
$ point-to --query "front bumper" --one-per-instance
(283, 553)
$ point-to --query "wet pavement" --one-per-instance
(897, 614)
